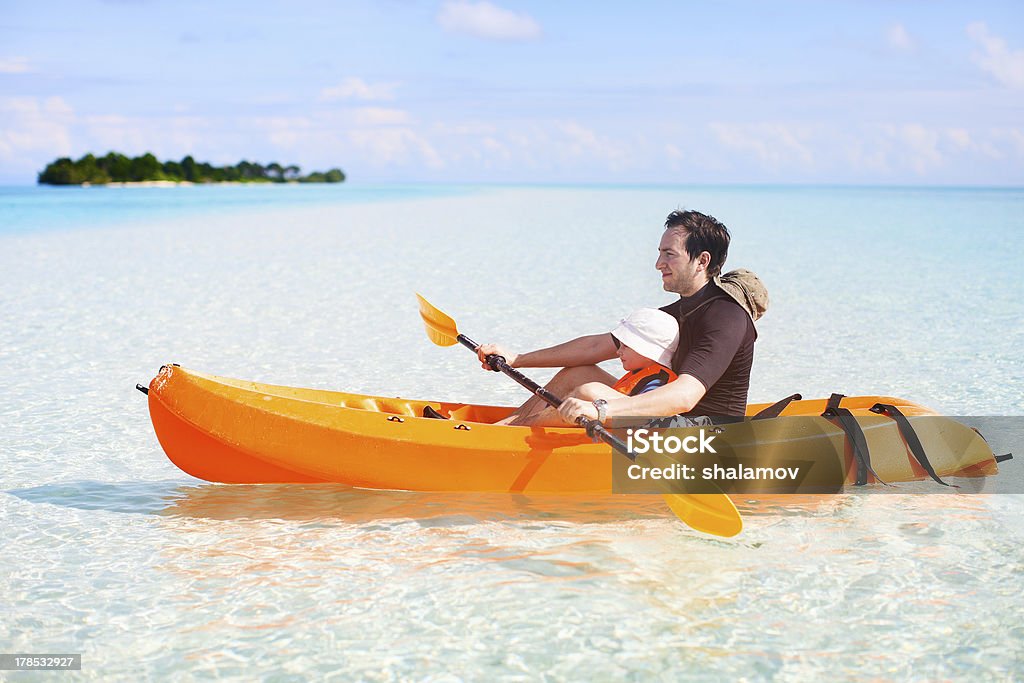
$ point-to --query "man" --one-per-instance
(716, 344)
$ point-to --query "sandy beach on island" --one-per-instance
(188, 183)
(184, 183)
(143, 183)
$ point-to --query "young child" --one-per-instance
(645, 341)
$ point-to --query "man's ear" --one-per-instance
(704, 259)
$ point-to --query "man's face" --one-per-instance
(680, 273)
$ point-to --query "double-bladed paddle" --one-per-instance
(712, 513)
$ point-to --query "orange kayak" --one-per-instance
(234, 431)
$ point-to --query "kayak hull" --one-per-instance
(233, 431)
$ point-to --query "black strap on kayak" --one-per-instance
(998, 459)
(910, 437)
(774, 409)
(843, 418)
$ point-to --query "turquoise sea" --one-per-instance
(112, 552)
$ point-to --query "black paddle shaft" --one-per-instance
(593, 427)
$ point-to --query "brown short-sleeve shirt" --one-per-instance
(716, 346)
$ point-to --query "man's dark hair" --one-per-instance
(703, 233)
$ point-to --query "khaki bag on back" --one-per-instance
(746, 289)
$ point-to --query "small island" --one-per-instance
(116, 168)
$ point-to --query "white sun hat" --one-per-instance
(652, 333)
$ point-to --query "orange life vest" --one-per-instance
(635, 381)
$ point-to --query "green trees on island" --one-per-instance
(117, 168)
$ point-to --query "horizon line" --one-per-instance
(349, 182)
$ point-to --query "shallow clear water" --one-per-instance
(114, 553)
(32, 209)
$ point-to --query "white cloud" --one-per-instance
(960, 138)
(358, 89)
(674, 157)
(921, 145)
(897, 37)
(864, 154)
(380, 116)
(581, 141)
(773, 144)
(283, 131)
(493, 149)
(14, 65)
(1009, 138)
(868, 152)
(924, 150)
(370, 139)
(271, 99)
(1004, 64)
(464, 128)
(166, 137)
(119, 133)
(484, 20)
(33, 107)
(395, 146)
(33, 131)
(1018, 140)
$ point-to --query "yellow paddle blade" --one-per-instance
(712, 513)
(440, 327)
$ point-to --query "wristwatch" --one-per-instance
(602, 412)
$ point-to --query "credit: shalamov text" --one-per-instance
(642, 441)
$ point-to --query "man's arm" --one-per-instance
(589, 350)
(679, 396)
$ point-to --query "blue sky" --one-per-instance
(898, 92)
